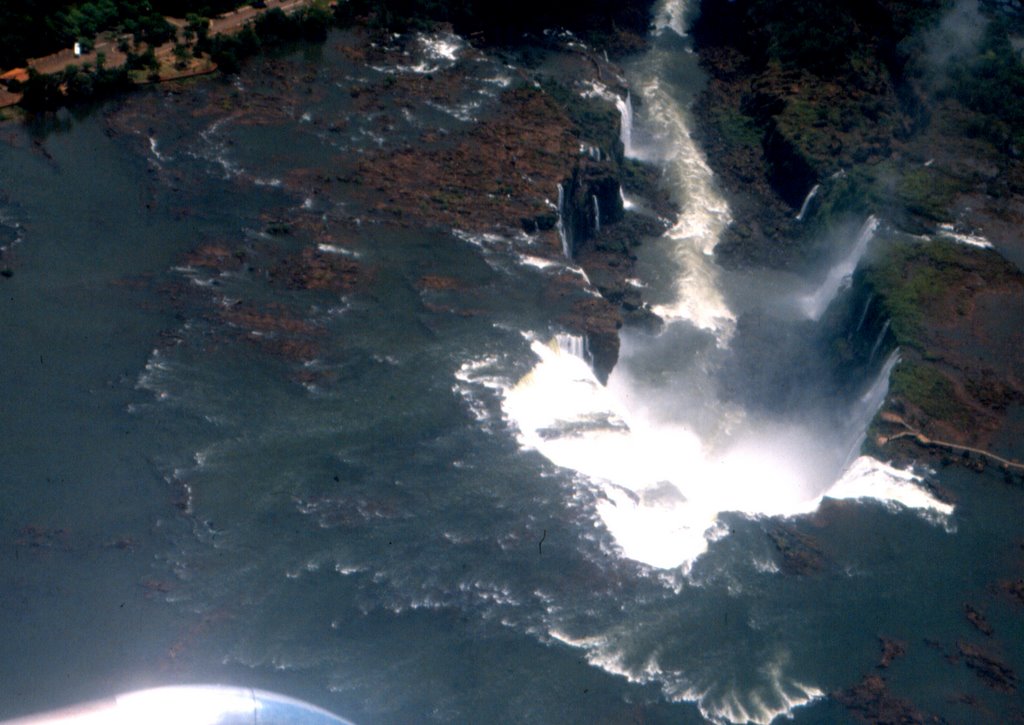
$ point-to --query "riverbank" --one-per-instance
(49, 81)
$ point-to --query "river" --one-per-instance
(413, 502)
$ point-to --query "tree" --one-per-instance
(41, 92)
(182, 53)
(198, 26)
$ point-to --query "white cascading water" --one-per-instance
(864, 312)
(671, 16)
(561, 226)
(814, 304)
(667, 480)
(666, 477)
(625, 106)
(667, 456)
(807, 202)
(878, 342)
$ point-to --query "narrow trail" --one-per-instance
(934, 442)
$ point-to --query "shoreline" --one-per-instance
(107, 45)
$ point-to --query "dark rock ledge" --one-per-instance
(505, 173)
(500, 174)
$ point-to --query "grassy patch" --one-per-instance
(912, 197)
(923, 386)
(927, 192)
(913, 278)
(735, 127)
(597, 120)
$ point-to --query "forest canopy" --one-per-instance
(32, 28)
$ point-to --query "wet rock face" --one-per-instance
(600, 320)
(892, 650)
(957, 317)
(993, 671)
(214, 256)
(871, 701)
(801, 555)
(593, 200)
(505, 141)
(790, 172)
(495, 176)
(503, 173)
(315, 270)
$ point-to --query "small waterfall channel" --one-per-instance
(563, 225)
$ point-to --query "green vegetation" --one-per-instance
(923, 386)
(906, 194)
(828, 39)
(927, 192)
(991, 84)
(913, 277)
(33, 28)
(737, 128)
(75, 84)
(270, 29)
(815, 36)
(597, 121)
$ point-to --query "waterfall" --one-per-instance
(597, 214)
(575, 345)
(671, 16)
(865, 407)
(815, 304)
(864, 313)
(561, 226)
(669, 458)
(807, 202)
(625, 106)
(878, 342)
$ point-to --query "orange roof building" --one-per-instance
(16, 74)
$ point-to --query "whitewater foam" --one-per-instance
(334, 249)
(813, 305)
(948, 231)
(777, 696)
(671, 16)
(704, 213)
(662, 463)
